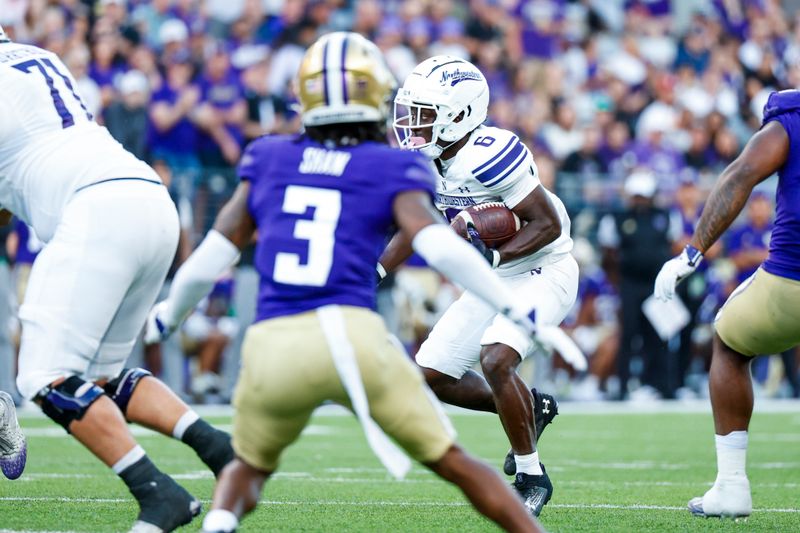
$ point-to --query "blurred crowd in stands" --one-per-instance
(631, 108)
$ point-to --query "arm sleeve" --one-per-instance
(198, 274)
(509, 172)
(445, 251)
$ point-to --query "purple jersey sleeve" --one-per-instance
(417, 173)
(248, 164)
(784, 254)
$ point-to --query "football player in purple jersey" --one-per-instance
(322, 204)
(762, 315)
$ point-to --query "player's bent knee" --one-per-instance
(498, 362)
(69, 400)
(435, 379)
(721, 349)
(120, 389)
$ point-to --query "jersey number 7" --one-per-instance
(44, 65)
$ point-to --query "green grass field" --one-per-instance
(611, 472)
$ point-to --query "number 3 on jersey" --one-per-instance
(43, 66)
(319, 232)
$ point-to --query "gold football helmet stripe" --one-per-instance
(344, 78)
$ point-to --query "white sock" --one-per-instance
(731, 455)
(187, 419)
(220, 520)
(136, 453)
(528, 464)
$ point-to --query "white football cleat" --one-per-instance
(13, 448)
(726, 499)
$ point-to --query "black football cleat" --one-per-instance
(545, 409)
(535, 491)
(163, 506)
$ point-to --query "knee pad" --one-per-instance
(120, 389)
(69, 400)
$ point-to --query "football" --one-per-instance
(495, 223)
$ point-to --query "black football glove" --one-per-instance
(490, 254)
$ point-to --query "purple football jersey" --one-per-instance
(323, 216)
(784, 245)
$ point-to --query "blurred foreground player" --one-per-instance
(762, 315)
(322, 203)
(13, 447)
(111, 232)
(440, 111)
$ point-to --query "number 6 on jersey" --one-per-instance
(319, 232)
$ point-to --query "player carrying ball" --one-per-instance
(322, 204)
(440, 111)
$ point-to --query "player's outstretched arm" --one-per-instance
(454, 257)
(543, 226)
(232, 231)
(764, 154)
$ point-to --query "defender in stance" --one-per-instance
(322, 203)
(111, 231)
(440, 111)
(762, 315)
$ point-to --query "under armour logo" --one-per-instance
(546, 409)
(444, 185)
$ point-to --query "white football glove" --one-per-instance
(156, 329)
(676, 270)
(551, 338)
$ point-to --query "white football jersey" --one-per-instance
(50, 146)
(495, 166)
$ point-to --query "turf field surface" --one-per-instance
(614, 468)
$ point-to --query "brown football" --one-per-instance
(496, 223)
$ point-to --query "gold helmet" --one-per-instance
(344, 78)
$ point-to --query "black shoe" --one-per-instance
(545, 409)
(163, 505)
(535, 491)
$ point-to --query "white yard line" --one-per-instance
(762, 405)
(621, 507)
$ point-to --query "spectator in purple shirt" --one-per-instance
(538, 27)
(173, 132)
(222, 111)
(748, 245)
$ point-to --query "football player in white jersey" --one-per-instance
(440, 110)
(111, 231)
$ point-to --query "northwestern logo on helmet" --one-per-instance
(457, 76)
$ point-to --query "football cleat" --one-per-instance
(545, 409)
(535, 491)
(13, 448)
(163, 506)
(728, 499)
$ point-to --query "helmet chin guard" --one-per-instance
(445, 94)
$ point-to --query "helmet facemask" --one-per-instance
(414, 128)
(442, 101)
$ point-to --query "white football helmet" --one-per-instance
(3, 37)
(449, 88)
